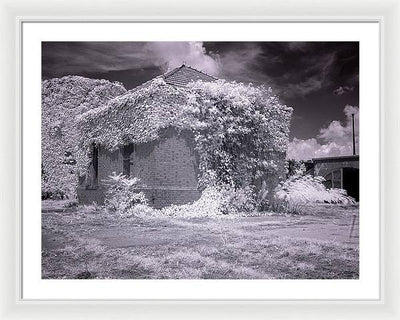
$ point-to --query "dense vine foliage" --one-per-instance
(136, 116)
(62, 100)
(243, 135)
(241, 131)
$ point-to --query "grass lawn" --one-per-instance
(77, 244)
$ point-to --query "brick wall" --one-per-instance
(88, 196)
(164, 196)
(168, 162)
(167, 169)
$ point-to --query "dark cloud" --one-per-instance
(61, 58)
(293, 69)
(303, 74)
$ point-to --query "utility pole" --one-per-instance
(354, 138)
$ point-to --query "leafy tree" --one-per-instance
(295, 167)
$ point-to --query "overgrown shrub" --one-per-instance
(91, 209)
(263, 197)
(70, 203)
(121, 193)
(298, 190)
(235, 201)
(209, 205)
(216, 201)
(143, 211)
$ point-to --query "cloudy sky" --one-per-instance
(320, 80)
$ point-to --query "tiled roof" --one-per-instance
(182, 75)
(178, 77)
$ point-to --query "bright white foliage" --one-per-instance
(308, 189)
(121, 193)
(209, 205)
(214, 202)
(136, 116)
(241, 131)
(62, 100)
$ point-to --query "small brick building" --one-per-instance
(147, 133)
(167, 167)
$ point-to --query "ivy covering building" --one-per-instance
(183, 131)
(62, 100)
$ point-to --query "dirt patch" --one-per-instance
(132, 236)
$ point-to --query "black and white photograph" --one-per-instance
(200, 160)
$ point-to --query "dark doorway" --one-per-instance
(351, 182)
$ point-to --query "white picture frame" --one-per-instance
(12, 306)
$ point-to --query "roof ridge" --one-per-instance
(215, 78)
(166, 76)
(173, 71)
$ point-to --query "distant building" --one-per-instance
(340, 172)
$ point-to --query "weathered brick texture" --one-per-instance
(167, 169)
(88, 196)
(163, 197)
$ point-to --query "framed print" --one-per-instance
(229, 163)
(156, 200)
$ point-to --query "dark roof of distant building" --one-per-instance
(338, 158)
